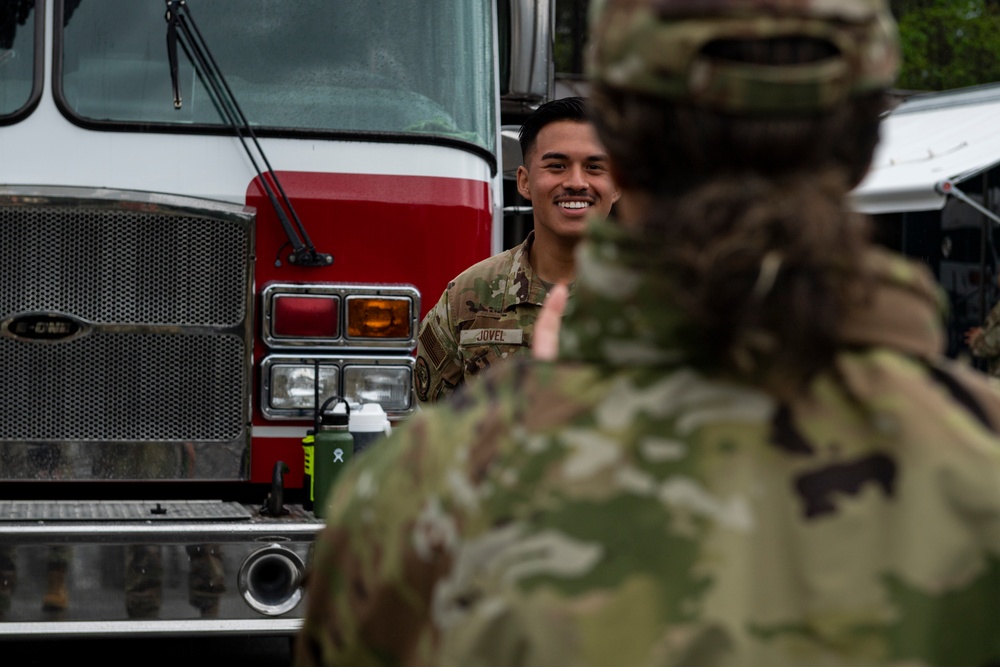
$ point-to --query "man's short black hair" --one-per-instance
(566, 108)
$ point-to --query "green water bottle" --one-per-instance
(333, 446)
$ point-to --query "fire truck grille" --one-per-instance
(122, 387)
(155, 294)
(119, 266)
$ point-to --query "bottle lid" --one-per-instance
(335, 416)
(368, 418)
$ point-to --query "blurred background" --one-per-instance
(946, 43)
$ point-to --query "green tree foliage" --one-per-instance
(571, 35)
(948, 43)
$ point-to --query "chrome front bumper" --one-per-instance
(151, 568)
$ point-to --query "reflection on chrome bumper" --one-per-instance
(126, 577)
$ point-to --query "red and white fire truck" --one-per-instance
(215, 214)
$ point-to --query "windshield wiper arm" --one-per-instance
(181, 28)
(172, 57)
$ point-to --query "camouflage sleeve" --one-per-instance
(386, 544)
(439, 365)
(988, 344)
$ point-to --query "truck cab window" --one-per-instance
(20, 68)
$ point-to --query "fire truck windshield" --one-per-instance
(409, 67)
(18, 82)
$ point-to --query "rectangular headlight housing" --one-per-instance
(389, 386)
(293, 385)
(348, 315)
(288, 383)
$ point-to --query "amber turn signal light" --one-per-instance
(379, 317)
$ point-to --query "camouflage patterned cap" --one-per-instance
(656, 47)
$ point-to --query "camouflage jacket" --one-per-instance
(485, 315)
(619, 508)
(987, 346)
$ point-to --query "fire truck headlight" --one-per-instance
(389, 386)
(293, 386)
(288, 388)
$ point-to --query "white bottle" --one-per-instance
(367, 424)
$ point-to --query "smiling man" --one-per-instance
(486, 315)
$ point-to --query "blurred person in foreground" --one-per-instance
(750, 450)
(486, 315)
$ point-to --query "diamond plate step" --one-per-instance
(122, 510)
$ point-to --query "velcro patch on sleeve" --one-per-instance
(492, 337)
(431, 346)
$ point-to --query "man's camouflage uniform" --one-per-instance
(621, 508)
(987, 345)
(485, 315)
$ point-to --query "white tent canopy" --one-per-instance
(927, 140)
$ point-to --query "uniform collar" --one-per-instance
(905, 310)
(523, 284)
(619, 316)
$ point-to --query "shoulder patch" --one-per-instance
(422, 375)
(432, 345)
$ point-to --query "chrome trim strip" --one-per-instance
(298, 432)
(270, 626)
(532, 69)
(180, 533)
